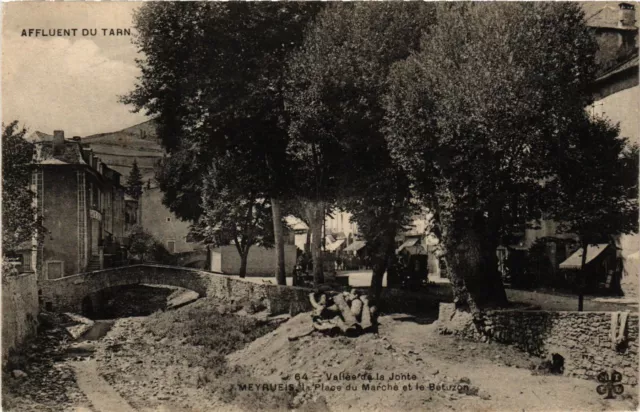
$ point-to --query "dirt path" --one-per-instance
(502, 372)
(101, 395)
(499, 376)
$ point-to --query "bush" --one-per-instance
(147, 248)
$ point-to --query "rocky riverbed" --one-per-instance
(211, 355)
(40, 378)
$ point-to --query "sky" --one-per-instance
(72, 83)
(69, 83)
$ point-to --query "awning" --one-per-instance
(575, 261)
(335, 245)
(295, 224)
(409, 242)
(355, 246)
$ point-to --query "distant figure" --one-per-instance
(149, 184)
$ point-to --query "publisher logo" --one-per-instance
(609, 384)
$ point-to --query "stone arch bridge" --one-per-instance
(68, 294)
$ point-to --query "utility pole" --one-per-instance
(583, 274)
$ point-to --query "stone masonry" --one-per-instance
(19, 310)
(68, 293)
(583, 339)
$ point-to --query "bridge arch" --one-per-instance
(74, 293)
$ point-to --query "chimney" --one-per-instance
(627, 15)
(58, 141)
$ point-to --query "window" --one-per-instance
(55, 269)
(168, 219)
(26, 262)
(171, 246)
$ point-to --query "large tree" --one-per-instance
(213, 75)
(595, 191)
(20, 221)
(240, 218)
(337, 80)
(477, 118)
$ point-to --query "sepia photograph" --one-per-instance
(320, 206)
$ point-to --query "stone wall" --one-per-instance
(67, 294)
(583, 339)
(19, 310)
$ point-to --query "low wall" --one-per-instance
(583, 339)
(19, 310)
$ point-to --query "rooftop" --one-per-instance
(55, 150)
(607, 14)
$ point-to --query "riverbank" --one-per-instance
(213, 355)
(39, 378)
(208, 356)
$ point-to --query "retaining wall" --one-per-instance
(19, 310)
(583, 339)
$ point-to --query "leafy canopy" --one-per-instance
(212, 75)
(19, 215)
(476, 117)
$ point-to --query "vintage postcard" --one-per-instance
(320, 206)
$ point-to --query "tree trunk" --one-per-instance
(243, 262)
(207, 262)
(281, 277)
(381, 257)
(315, 216)
(583, 274)
(307, 244)
(476, 282)
(375, 291)
(392, 271)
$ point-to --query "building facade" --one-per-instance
(81, 201)
(160, 222)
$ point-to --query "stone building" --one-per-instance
(159, 221)
(616, 91)
(140, 143)
(82, 204)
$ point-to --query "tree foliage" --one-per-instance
(146, 247)
(240, 218)
(595, 192)
(134, 181)
(19, 215)
(477, 118)
(336, 83)
(213, 76)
